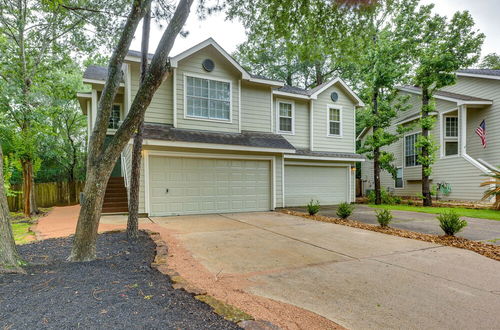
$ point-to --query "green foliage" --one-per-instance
(384, 217)
(313, 207)
(491, 61)
(493, 184)
(472, 213)
(386, 197)
(451, 223)
(344, 210)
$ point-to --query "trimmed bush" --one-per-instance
(344, 210)
(451, 223)
(313, 207)
(386, 197)
(384, 217)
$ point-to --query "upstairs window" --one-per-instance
(399, 178)
(411, 150)
(334, 122)
(285, 115)
(450, 136)
(114, 119)
(208, 99)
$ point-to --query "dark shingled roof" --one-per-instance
(307, 152)
(456, 96)
(293, 90)
(96, 72)
(245, 138)
(138, 54)
(486, 72)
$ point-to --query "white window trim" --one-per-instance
(292, 103)
(404, 150)
(338, 107)
(201, 76)
(444, 138)
(402, 177)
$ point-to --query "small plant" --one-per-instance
(344, 210)
(313, 207)
(384, 217)
(386, 197)
(451, 223)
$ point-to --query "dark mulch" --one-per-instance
(118, 290)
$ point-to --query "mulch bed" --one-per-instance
(118, 290)
(487, 250)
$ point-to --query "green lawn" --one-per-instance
(21, 228)
(481, 213)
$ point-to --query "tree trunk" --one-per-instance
(25, 164)
(135, 173)
(376, 154)
(33, 204)
(102, 159)
(426, 191)
(319, 74)
(10, 261)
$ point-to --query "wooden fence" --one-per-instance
(49, 194)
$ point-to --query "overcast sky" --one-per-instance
(230, 34)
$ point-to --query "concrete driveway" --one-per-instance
(359, 279)
(487, 231)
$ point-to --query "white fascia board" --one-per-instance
(475, 75)
(98, 82)
(297, 96)
(486, 102)
(336, 159)
(344, 85)
(197, 145)
(84, 95)
(175, 60)
(363, 132)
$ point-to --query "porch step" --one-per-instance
(115, 198)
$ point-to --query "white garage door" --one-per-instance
(328, 185)
(202, 185)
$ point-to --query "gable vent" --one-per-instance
(208, 65)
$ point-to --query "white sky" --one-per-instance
(230, 34)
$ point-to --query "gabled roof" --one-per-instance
(480, 73)
(314, 92)
(95, 74)
(449, 96)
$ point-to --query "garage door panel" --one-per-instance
(328, 185)
(200, 185)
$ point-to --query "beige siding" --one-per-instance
(300, 137)
(160, 108)
(323, 142)
(255, 107)
(223, 70)
(487, 89)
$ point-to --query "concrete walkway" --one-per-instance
(487, 231)
(356, 278)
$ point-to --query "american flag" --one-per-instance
(481, 131)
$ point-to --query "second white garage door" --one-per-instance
(328, 185)
(203, 185)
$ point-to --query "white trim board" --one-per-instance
(476, 75)
(450, 99)
(333, 159)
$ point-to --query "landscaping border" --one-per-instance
(487, 250)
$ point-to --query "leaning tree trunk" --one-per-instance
(33, 204)
(135, 174)
(376, 154)
(10, 261)
(101, 159)
(426, 189)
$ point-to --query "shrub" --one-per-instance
(386, 197)
(313, 207)
(451, 223)
(344, 210)
(384, 217)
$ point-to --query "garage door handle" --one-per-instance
(167, 190)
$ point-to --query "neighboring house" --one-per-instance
(219, 139)
(461, 160)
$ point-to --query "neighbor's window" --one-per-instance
(285, 117)
(114, 119)
(451, 136)
(399, 178)
(209, 99)
(411, 150)
(334, 125)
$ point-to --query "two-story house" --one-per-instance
(462, 158)
(219, 139)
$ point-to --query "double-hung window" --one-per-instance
(334, 122)
(398, 183)
(208, 99)
(285, 117)
(114, 119)
(411, 150)
(450, 135)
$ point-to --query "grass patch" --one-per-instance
(21, 226)
(463, 212)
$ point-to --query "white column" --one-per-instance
(311, 125)
(94, 108)
(127, 100)
(174, 96)
(239, 105)
(462, 117)
(272, 110)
